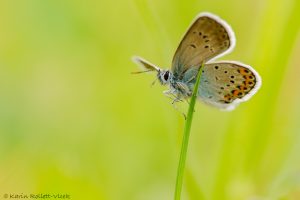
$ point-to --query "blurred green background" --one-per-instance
(73, 120)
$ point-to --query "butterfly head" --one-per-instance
(164, 76)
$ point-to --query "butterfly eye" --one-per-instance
(166, 76)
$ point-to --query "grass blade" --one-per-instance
(186, 135)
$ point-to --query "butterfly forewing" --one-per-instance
(225, 84)
(208, 37)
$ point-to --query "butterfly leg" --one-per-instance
(192, 78)
(169, 93)
(173, 98)
(185, 90)
(172, 94)
(178, 98)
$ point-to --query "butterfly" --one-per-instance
(223, 84)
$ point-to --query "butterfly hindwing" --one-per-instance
(225, 84)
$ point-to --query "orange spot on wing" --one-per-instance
(244, 71)
(235, 93)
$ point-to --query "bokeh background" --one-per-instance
(73, 120)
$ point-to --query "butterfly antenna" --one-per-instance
(139, 72)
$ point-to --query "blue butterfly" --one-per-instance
(223, 84)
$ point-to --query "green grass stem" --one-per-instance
(185, 140)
